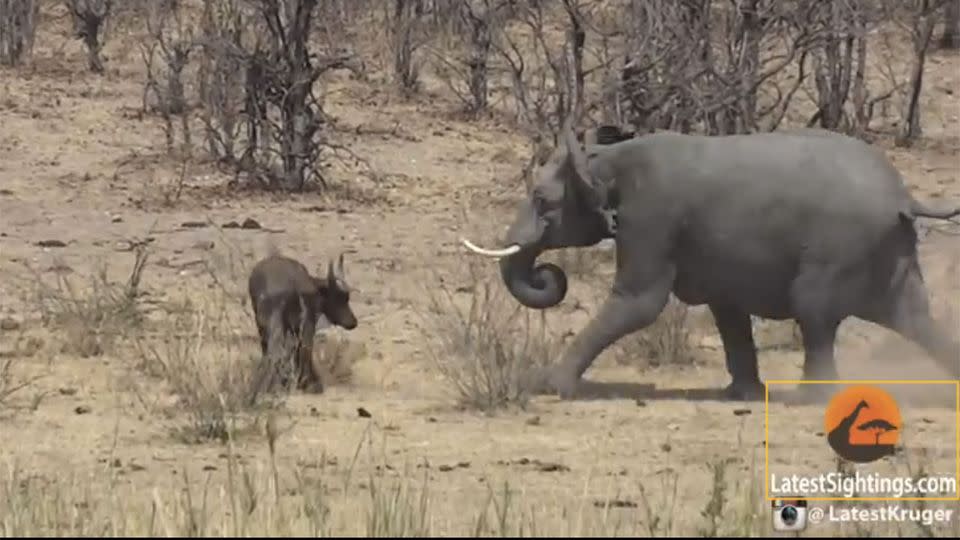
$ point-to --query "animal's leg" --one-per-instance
(312, 373)
(818, 312)
(736, 332)
(818, 349)
(908, 314)
(626, 310)
(262, 330)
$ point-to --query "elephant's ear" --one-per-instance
(579, 174)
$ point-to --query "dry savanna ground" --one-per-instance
(127, 344)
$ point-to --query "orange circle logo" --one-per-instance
(863, 423)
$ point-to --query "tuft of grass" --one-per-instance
(491, 350)
(668, 341)
(91, 319)
(337, 355)
(219, 384)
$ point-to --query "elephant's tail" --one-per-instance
(919, 209)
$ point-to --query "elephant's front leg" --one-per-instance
(627, 310)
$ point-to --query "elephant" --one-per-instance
(810, 225)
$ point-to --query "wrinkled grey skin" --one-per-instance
(811, 225)
(287, 302)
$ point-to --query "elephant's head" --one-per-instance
(564, 209)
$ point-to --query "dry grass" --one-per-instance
(670, 340)
(217, 381)
(90, 319)
(265, 499)
(337, 355)
(491, 349)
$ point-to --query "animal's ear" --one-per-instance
(576, 159)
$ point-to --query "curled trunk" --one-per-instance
(535, 286)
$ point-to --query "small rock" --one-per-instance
(926, 420)
(553, 467)
(615, 503)
(9, 324)
(68, 391)
(51, 244)
(432, 420)
(314, 411)
(250, 223)
(82, 409)
(6, 192)
(641, 403)
(535, 421)
(193, 224)
(445, 468)
(209, 467)
(666, 447)
(231, 225)
(116, 219)
(116, 463)
(137, 467)
(741, 412)
(363, 413)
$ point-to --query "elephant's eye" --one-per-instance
(539, 202)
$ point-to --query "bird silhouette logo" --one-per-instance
(863, 423)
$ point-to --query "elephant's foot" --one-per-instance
(537, 382)
(751, 390)
(564, 383)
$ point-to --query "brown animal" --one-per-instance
(287, 302)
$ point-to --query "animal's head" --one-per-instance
(334, 295)
(863, 404)
(564, 208)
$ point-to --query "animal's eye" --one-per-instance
(539, 202)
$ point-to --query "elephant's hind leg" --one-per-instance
(736, 332)
(907, 312)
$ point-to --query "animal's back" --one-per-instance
(277, 275)
(757, 210)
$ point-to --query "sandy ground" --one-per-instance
(78, 166)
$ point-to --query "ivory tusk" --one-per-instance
(491, 252)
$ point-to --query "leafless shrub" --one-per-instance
(406, 38)
(221, 79)
(89, 17)
(219, 385)
(93, 318)
(714, 68)
(543, 77)
(259, 77)
(480, 19)
(491, 351)
(172, 41)
(921, 18)
(18, 22)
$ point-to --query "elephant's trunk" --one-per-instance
(537, 287)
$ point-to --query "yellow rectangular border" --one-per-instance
(766, 440)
